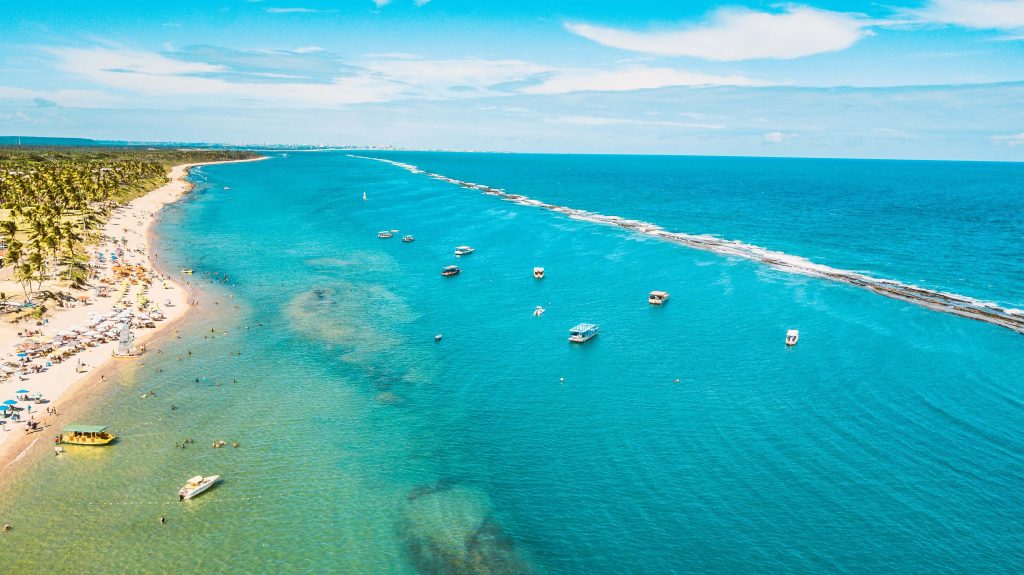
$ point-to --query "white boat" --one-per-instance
(792, 336)
(364, 195)
(385, 234)
(657, 297)
(582, 332)
(538, 311)
(463, 250)
(538, 273)
(196, 485)
(408, 239)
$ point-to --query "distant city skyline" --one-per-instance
(922, 79)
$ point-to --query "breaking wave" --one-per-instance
(946, 302)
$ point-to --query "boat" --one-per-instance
(582, 332)
(538, 273)
(196, 485)
(792, 336)
(364, 196)
(408, 239)
(437, 338)
(538, 311)
(186, 272)
(86, 435)
(657, 297)
(385, 234)
(126, 344)
(463, 250)
(451, 271)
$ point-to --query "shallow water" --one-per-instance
(888, 440)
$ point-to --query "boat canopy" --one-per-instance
(76, 428)
(583, 328)
(659, 294)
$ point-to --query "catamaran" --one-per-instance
(196, 485)
(582, 332)
(86, 435)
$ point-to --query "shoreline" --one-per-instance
(63, 384)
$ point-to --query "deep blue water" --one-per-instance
(888, 441)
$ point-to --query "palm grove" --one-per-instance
(54, 201)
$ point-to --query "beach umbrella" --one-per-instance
(21, 391)
(10, 402)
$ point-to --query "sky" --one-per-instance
(916, 79)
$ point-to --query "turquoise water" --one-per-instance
(888, 440)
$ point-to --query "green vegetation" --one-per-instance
(54, 200)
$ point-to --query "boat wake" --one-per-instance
(946, 302)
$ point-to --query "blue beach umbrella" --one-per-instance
(10, 402)
(21, 391)
(23, 354)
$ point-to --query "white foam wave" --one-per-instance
(946, 302)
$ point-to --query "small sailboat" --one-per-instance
(451, 271)
(538, 311)
(126, 344)
(792, 336)
(657, 297)
(385, 234)
(583, 332)
(196, 485)
(538, 273)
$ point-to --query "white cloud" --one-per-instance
(307, 49)
(633, 78)
(603, 121)
(777, 137)
(465, 71)
(1011, 140)
(982, 14)
(741, 34)
(292, 10)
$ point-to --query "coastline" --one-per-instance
(65, 384)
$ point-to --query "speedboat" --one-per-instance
(582, 332)
(196, 485)
(538, 273)
(463, 250)
(385, 234)
(451, 271)
(408, 239)
(657, 297)
(792, 336)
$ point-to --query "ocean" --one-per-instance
(685, 438)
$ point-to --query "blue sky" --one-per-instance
(935, 79)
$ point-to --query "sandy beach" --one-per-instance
(64, 385)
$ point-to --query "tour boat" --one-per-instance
(792, 336)
(408, 239)
(657, 297)
(582, 332)
(538, 273)
(86, 435)
(463, 250)
(450, 271)
(385, 234)
(196, 485)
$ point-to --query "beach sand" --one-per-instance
(67, 385)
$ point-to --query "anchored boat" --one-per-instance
(385, 234)
(657, 297)
(451, 271)
(538, 273)
(86, 435)
(196, 485)
(463, 250)
(408, 239)
(792, 336)
(583, 332)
